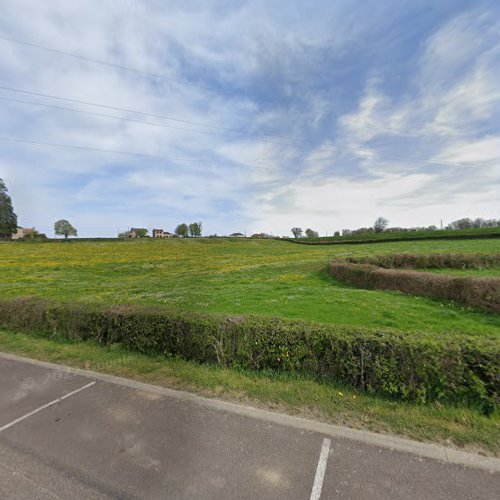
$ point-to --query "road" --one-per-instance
(73, 434)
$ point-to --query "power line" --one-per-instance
(129, 153)
(82, 57)
(180, 120)
(127, 110)
(103, 115)
(114, 151)
(151, 75)
(133, 120)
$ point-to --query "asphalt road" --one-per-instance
(71, 435)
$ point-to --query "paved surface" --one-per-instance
(67, 435)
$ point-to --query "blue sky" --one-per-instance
(254, 116)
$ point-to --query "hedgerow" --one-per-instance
(378, 273)
(390, 237)
(430, 261)
(407, 366)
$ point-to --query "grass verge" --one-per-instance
(446, 424)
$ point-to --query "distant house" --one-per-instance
(160, 233)
(136, 232)
(23, 232)
(237, 235)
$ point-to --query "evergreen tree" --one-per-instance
(8, 219)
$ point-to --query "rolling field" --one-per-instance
(263, 277)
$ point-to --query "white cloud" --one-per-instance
(286, 136)
(476, 152)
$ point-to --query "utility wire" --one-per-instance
(82, 57)
(428, 161)
(103, 115)
(114, 151)
(133, 120)
(164, 117)
(127, 110)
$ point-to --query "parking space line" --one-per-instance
(47, 405)
(320, 470)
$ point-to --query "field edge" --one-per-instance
(459, 427)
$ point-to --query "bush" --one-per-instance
(407, 366)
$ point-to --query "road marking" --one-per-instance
(47, 405)
(320, 470)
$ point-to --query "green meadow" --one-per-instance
(237, 276)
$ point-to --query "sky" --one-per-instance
(250, 116)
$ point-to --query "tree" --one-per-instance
(195, 229)
(380, 225)
(64, 228)
(181, 230)
(297, 232)
(311, 234)
(8, 219)
(141, 233)
(464, 223)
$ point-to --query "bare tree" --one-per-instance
(297, 232)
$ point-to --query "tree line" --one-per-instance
(381, 224)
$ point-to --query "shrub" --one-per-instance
(407, 366)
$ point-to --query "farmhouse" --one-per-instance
(136, 232)
(23, 232)
(160, 233)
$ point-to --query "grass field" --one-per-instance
(264, 277)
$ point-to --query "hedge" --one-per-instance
(483, 293)
(431, 261)
(406, 366)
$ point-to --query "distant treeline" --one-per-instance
(404, 235)
(460, 224)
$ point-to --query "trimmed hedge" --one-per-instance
(407, 366)
(430, 261)
(483, 293)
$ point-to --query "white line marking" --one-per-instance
(58, 400)
(320, 470)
